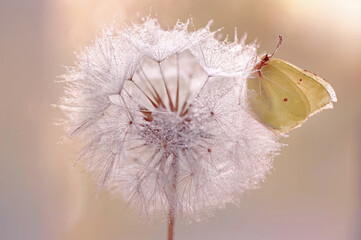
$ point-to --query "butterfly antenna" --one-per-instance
(280, 39)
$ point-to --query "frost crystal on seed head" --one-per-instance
(162, 118)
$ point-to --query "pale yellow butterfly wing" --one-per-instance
(284, 96)
(319, 93)
(276, 100)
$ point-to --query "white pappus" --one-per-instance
(164, 120)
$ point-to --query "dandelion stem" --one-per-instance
(172, 203)
(171, 224)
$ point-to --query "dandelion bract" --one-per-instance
(164, 119)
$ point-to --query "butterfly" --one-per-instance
(283, 96)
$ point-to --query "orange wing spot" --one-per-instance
(285, 99)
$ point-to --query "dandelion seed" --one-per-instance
(163, 119)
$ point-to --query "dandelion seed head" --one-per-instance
(163, 118)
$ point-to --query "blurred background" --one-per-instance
(314, 191)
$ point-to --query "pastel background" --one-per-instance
(314, 190)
